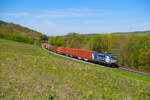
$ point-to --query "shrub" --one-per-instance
(15, 37)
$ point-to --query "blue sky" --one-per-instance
(59, 17)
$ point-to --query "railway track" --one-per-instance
(120, 68)
(133, 70)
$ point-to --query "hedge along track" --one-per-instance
(120, 68)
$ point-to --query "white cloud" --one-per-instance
(64, 13)
(144, 26)
(13, 14)
(60, 13)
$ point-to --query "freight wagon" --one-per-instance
(53, 48)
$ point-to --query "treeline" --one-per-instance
(72, 40)
(133, 50)
(19, 33)
(15, 37)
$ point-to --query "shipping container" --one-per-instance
(84, 54)
(61, 50)
(53, 48)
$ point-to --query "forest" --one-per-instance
(133, 50)
(20, 33)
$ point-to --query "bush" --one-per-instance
(57, 41)
(74, 40)
(15, 37)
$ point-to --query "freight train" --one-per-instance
(92, 56)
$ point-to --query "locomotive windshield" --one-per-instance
(114, 57)
(101, 55)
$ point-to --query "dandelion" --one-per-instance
(49, 63)
(141, 91)
(105, 89)
(37, 56)
(83, 79)
(86, 74)
(68, 81)
(35, 59)
(53, 67)
(8, 59)
(19, 65)
(90, 92)
(108, 94)
(4, 72)
(46, 94)
(3, 64)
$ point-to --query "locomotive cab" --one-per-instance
(111, 60)
(100, 57)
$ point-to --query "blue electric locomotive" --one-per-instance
(105, 59)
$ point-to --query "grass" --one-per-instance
(27, 72)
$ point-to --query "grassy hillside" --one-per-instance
(29, 73)
(10, 30)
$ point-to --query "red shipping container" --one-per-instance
(81, 53)
(53, 48)
(85, 54)
(61, 50)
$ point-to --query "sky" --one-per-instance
(60, 17)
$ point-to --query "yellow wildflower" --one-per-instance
(68, 81)
(8, 59)
(49, 63)
(83, 79)
(53, 67)
(35, 59)
(46, 94)
(37, 56)
(19, 65)
(3, 64)
(90, 92)
(105, 89)
(4, 72)
(141, 91)
(86, 74)
(108, 94)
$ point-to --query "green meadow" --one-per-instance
(28, 72)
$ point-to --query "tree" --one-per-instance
(74, 40)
